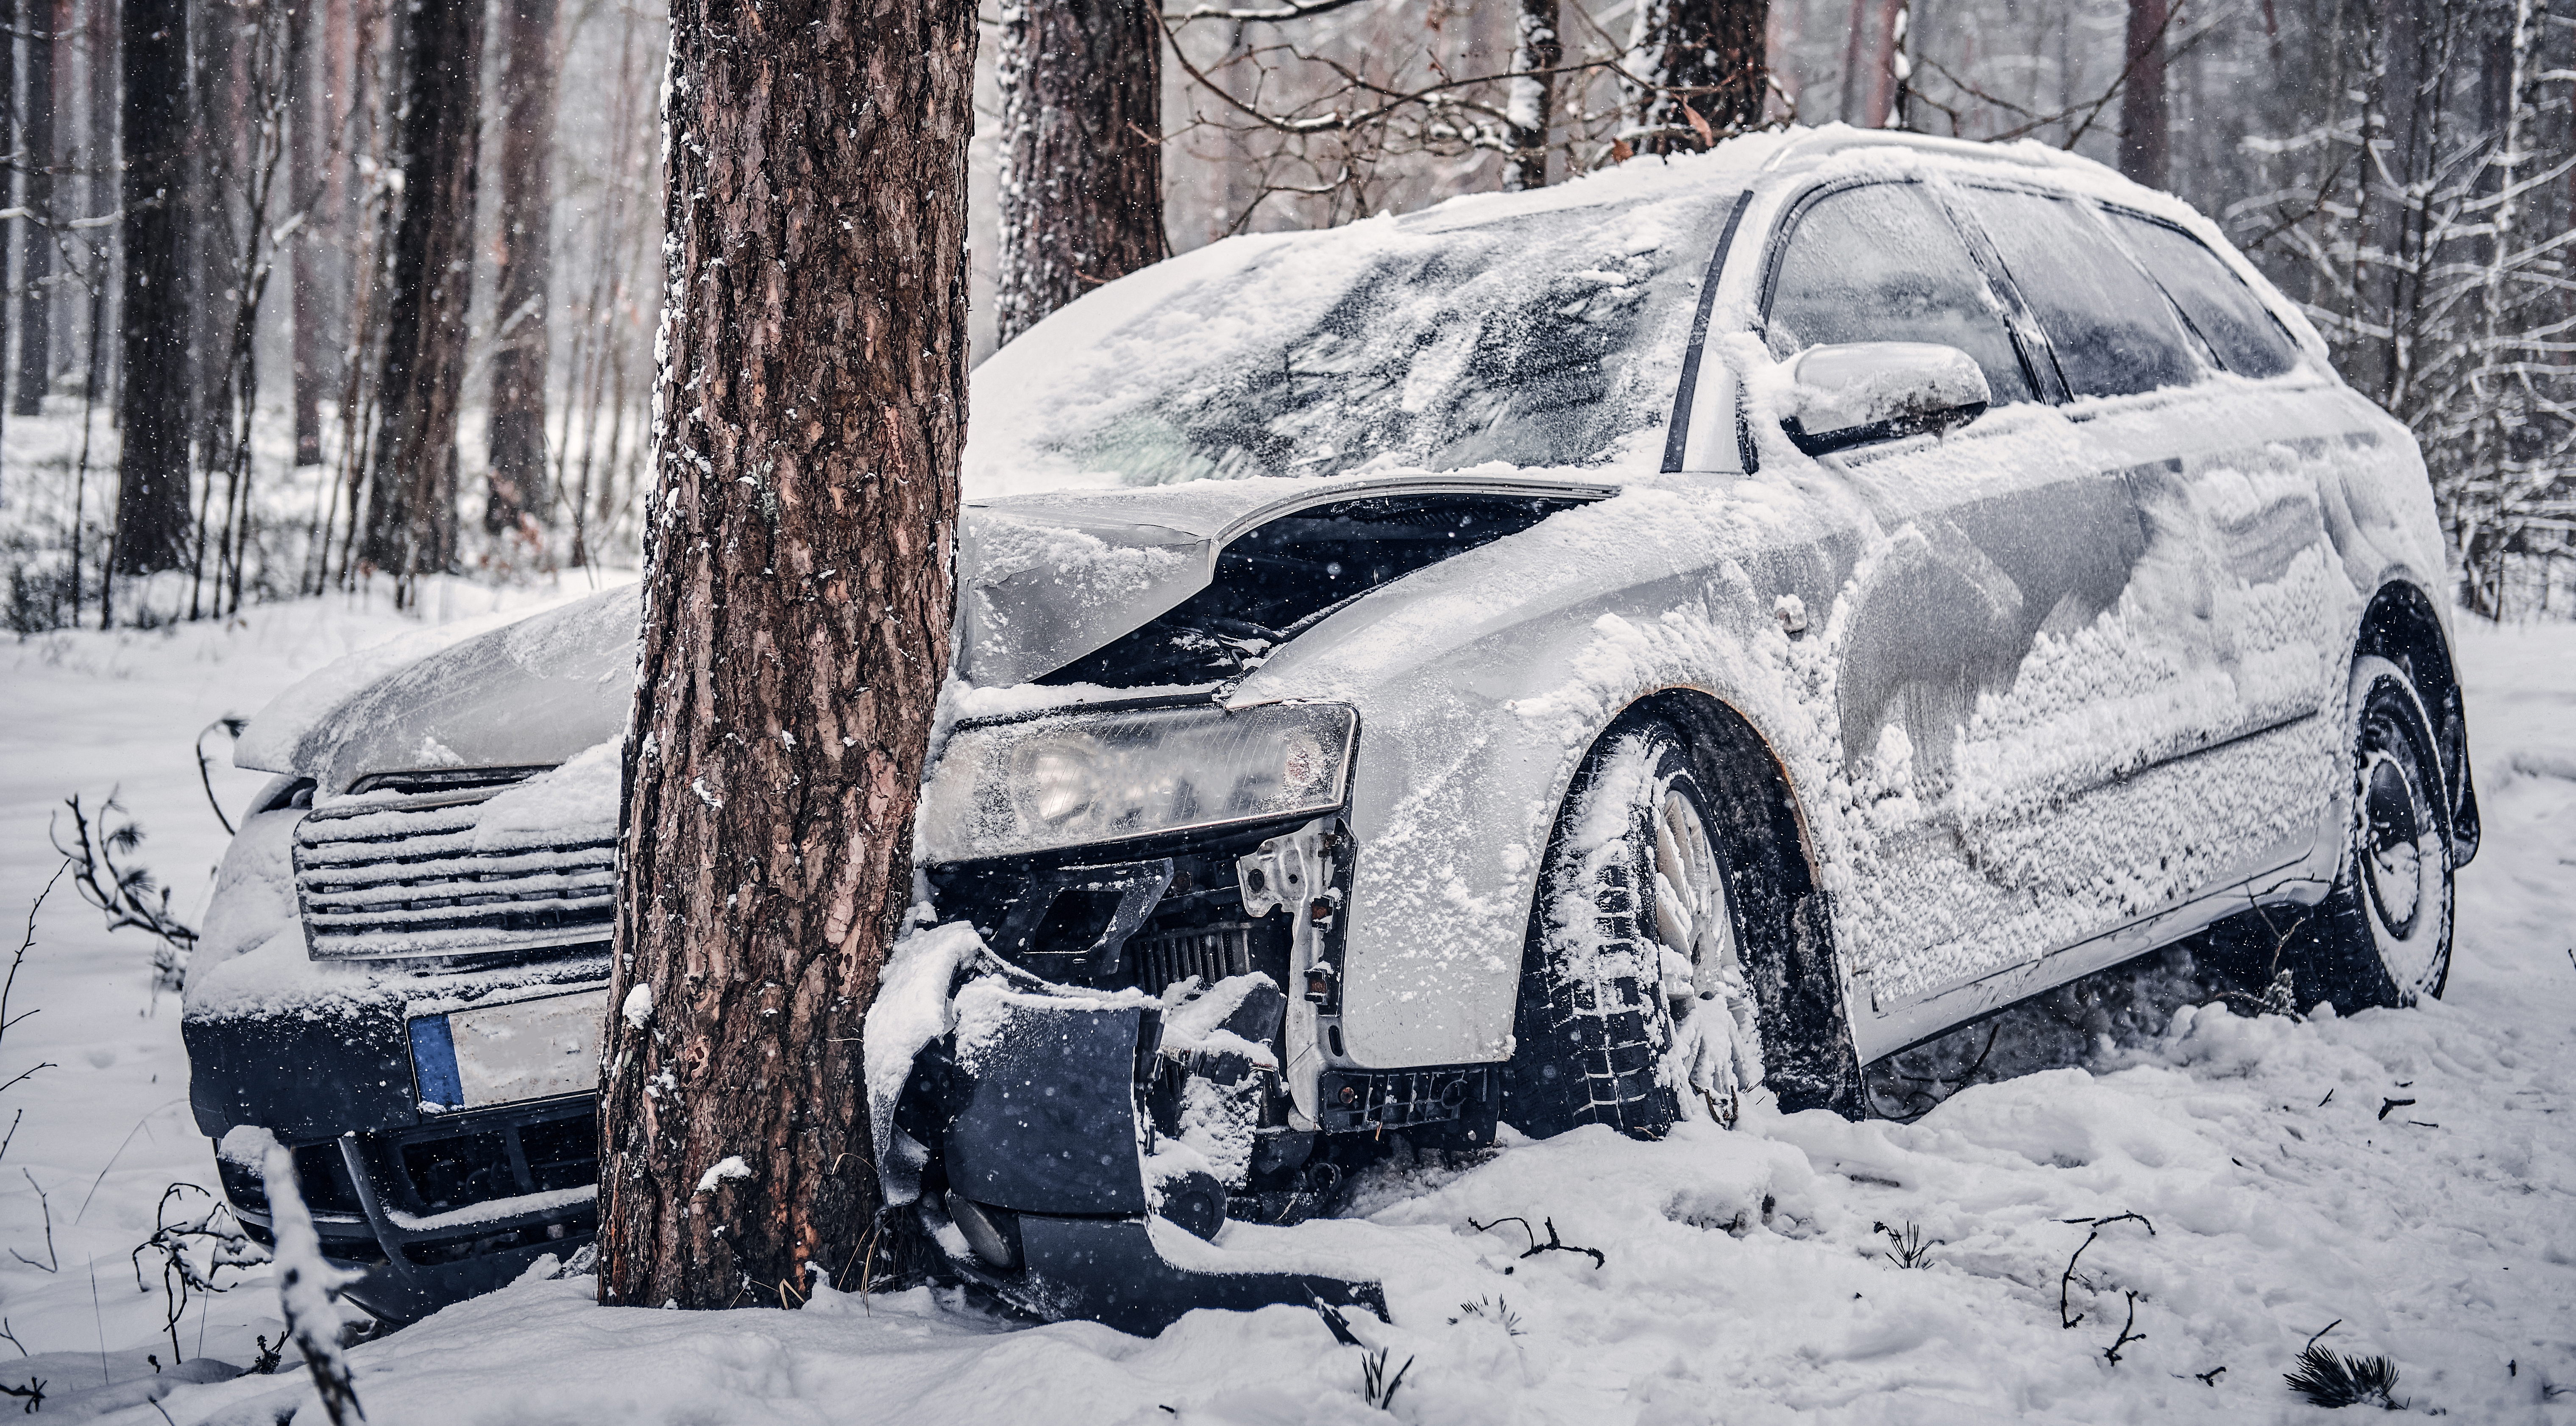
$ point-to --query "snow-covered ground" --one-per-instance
(2407, 1176)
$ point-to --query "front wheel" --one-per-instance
(1634, 1005)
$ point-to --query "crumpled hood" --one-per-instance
(1046, 579)
(1043, 580)
(529, 694)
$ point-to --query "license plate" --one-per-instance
(503, 1054)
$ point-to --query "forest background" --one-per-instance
(344, 293)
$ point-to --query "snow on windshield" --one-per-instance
(1531, 333)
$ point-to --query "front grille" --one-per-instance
(321, 1174)
(1209, 952)
(498, 1156)
(403, 872)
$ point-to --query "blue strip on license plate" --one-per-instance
(433, 1063)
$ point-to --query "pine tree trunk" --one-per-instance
(411, 515)
(152, 402)
(305, 147)
(1869, 63)
(811, 411)
(2145, 136)
(1082, 196)
(1530, 99)
(518, 432)
(2389, 213)
(36, 257)
(1702, 57)
(102, 187)
(213, 167)
(8, 142)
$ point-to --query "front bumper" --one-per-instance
(1044, 1176)
(429, 1207)
(522, 1181)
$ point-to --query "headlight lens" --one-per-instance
(1002, 789)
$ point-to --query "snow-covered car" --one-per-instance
(1603, 655)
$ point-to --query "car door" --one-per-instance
(1958, 647)
(2215, 662)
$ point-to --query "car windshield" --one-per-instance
(1543, 339)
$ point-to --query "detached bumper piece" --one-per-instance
(1036, 1181)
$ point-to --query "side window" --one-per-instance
(2246, 336)
(2113, 331)
(1880, 263)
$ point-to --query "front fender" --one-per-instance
(1482, 681)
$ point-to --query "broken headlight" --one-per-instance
(1067, 780)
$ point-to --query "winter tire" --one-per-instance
(1634, 1007)
(2387, 923)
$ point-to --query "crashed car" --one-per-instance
(1611, 655)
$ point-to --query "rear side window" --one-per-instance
(2113, 331)
(2244, 334)
(1880, 263)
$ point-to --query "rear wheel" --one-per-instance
(2382, 934)
(2388, 918)
(1634, 1005)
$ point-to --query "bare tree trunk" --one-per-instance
(811, 400)
(306, 140)
(411, 515)
(152, 402)
(8, 143)
(517, 478)
(1699, 58)
(1530, 101)
(102, 183)
(1082, 197)
(36, 256)
(213, 166)
(2146, 145)
(1869, 63)
(2389, 166)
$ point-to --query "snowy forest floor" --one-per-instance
(2409, 1176)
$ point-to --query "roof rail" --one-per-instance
(1839, 137)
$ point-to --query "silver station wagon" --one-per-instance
(1638, 651)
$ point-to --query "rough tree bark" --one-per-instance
(811, 402)
(517, 481)
(305, 142)
(411, 507)
(1082, 195)
(36, 194)
(1869, 63)
(1702, 57)
(152, 401)
(1531, 97)
(2145, 136)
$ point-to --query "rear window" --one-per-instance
(1880, 263)
(2113, 332)
(2243, 333)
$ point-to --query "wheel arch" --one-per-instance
(1781, 904)
(2403, 625)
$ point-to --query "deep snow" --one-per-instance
(2442, 1233)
